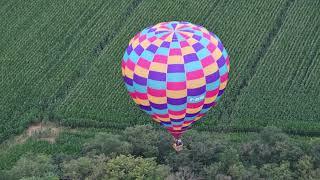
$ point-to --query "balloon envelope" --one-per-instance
(175, 71)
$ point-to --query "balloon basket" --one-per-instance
(177, 145)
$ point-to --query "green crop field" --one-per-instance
(60, 62)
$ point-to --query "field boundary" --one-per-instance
(90, 123)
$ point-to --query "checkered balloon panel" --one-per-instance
(175, 71)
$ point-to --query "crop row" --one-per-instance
(101, 96)
(284, 91)
(46, 51)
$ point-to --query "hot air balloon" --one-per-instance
(175, 71)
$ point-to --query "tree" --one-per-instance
(204, 147)
(315, 152)
(271, 146)
(305, 168)
(211, 171)
(145, 140)
(31, 165)
(184, 173)
(252, 172)
(200, 149)
(237, 170)
(229, 157)
(108, 144)
(275, 171)
(46, 177)
(129, 167)
(85, 167)
(58, 160)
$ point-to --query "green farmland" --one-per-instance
(60, 63)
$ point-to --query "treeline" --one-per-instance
(141, 152)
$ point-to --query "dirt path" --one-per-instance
(41, 131)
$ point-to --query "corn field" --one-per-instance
(60, 61)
